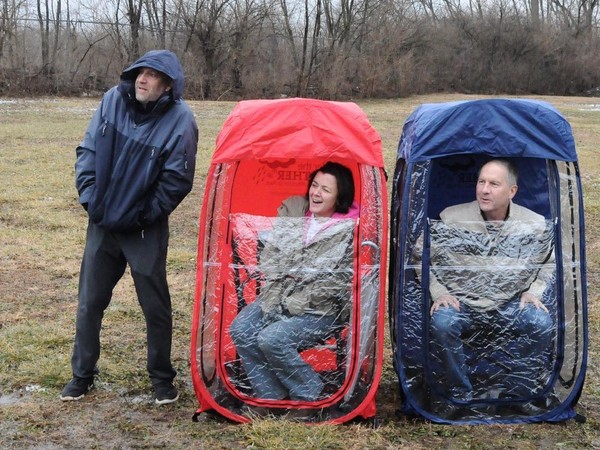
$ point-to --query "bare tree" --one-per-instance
(43, 13)
(246, 24)
(588, 10)
(347, 27)
(49, 20)
(339, 21)
(535, 14)
(324, 48)
(577, 15)
(9, 11)
(430, 8)
(57, 28)
(157, 19)
(288, 31)
(134, 16)
(203, 21)
(307, 32)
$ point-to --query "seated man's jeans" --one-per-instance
(530, 331)
(268, 348)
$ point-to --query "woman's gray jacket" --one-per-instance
(309, 277)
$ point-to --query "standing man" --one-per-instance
(135, 165)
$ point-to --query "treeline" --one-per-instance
(335, 49)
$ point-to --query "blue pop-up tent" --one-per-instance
(441, 150)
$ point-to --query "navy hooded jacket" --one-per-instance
(136, 165)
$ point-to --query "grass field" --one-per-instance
(42, 231)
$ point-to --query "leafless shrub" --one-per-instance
(233, 49)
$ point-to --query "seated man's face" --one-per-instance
(494, 191)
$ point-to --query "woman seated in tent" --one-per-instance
(307, 265)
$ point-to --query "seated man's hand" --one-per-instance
(445, 300)
(527, 297)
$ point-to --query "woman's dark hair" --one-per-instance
(345, 184)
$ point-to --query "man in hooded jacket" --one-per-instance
(134, 166)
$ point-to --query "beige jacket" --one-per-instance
(486, 264)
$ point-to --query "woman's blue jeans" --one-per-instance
(530, 332)
(268, 348)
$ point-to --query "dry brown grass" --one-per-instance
(42, 231)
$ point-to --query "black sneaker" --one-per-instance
(76, 389)
(165, 393)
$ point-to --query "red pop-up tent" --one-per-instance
(265, 153)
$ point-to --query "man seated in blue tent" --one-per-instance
(491, 262)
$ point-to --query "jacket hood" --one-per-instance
(164, 61)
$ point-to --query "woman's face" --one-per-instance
(322, 195)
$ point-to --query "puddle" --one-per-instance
(13, 398)
(35, 388)
(591, 107)
(9, 399)
(138, 399)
